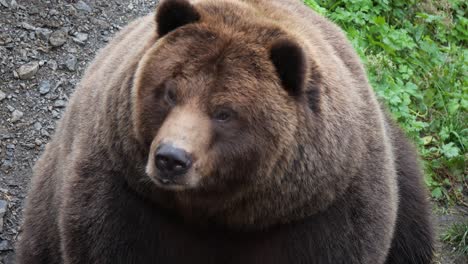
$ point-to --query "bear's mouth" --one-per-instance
(169, 184)
(175, 184)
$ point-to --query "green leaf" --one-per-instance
(427, 140)
(437, 193)
(450, 150)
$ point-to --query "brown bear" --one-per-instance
(227, 131)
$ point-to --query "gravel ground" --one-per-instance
(44, 48)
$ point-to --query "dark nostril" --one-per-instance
(172, 161)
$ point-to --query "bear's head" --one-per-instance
(219, 98)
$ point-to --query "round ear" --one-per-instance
(172, 14)
(290, 63)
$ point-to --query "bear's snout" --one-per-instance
(171, 161)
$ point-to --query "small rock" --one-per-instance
(82, 6)
(13, 4)
(37, 126)
(7, 164)
(56, 114)
(3, 209)
(45, 133)
(72, 50)
(60, 103)
(27, 26)
(101, 23)
(4, 3)
(38, 142)
(43, 33)
(70, 63)
(80, 38)
(2, 96)
(28, 145)
(28, 70)
(9, 258)
(16, 116)
(10, 146)
(4, 245)
(53, 12)
(52, 65)
(58, 38)
(44, 87)
(33, 10)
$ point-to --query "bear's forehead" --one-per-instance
(222, 84)
(205, 48)
(229, 73)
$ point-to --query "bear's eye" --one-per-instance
(223, 115)
(170, 96)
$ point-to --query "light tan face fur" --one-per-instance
(188, 129)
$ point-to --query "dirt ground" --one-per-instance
(44, 48)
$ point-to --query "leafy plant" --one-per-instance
(416, 57)
(457, 236)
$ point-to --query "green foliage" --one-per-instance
(457, 236)
(416, 57)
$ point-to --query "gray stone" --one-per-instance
(60, 103)
(28, 145)
(56, 114)
(9, 258)
(4, 3)
(43, 33)
(13, 4)
(27, 26)
(33, 10)
(44, 87)
(80, 38)
(16, 116)
(45, 133)
(7, 164)
(52, 65)
(53, 12)
(2, 96)
(82, 6)
(3, 209)
(4, 246)
(38, 142)
(58, 38)
(28, 70)
(71, 62)
(37, 126)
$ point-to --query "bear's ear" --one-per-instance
(172, 14)
(290, 63)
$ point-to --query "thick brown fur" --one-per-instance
(308, 169)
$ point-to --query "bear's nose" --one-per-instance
(172, 161)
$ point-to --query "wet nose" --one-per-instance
(172, 161)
